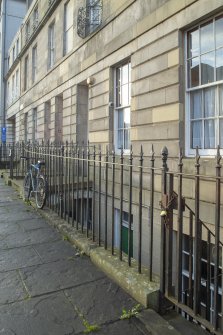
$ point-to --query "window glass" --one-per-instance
(221, 132)
(125, 74)
(69, 40)
(193, 66)
(51, 46)
(209, 102)
(196, 134)
(219, 64)
(207, 68)
(120, 119)
(221, 100)
(68, 27)
(193, 43)
(127, 117)
(196, 105)
(209, 134)
(207, 37)
(219, 31)
(125, 95)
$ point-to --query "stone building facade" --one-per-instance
(70, 81)
(122, 73)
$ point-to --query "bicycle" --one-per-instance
(35, 182)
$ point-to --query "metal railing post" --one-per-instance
(164, 154)
(121, 205)
(152, 159)
(217, 237)
(106, 199)
(179, 229)
(197, 239)
(140, 212)
(130, 206)
(113, 201)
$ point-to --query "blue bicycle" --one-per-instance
(35, 183)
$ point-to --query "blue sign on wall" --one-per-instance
(3, 134)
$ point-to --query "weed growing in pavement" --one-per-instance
(131, 312)
(65, 238)
(90, 328)
(28, 202)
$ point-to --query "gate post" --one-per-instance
(164, 154)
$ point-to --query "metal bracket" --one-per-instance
(171, 203)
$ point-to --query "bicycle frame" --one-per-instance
(35, 182)
(32, 169)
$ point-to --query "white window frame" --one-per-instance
(28, 33)
(34, 63)
(26, 129)
(189, 151)
(17, 82)
(35, 17)
(17, 47)
(119, 108)
(13, 54)
(13, 87)
(26, 72)
(67, 29)
(34, 125)
(51, 45)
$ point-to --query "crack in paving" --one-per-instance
(28, 295)
(88, 327)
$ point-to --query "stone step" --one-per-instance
(184, 326)
(170, 324)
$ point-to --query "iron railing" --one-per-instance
(116, 200)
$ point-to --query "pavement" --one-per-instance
(47, 286)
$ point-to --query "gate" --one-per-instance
(191, 251)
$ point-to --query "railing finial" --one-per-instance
(164, 153)
(197, 157)
(218, 157)
(180, 163)
(152, 153)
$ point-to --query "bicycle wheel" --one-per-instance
(41, 191)
(27, 186)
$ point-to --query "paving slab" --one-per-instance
(11, 288)
(3, 244)
(9, 215)
(46, 315)
(60, 275)
(17, 258)
(55, 251)
(35, 223)
(100, 310)
(27, 238)
(7, 228)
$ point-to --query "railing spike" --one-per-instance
(197, 157)
(218, 156)
(152, 154)
(180, 157)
